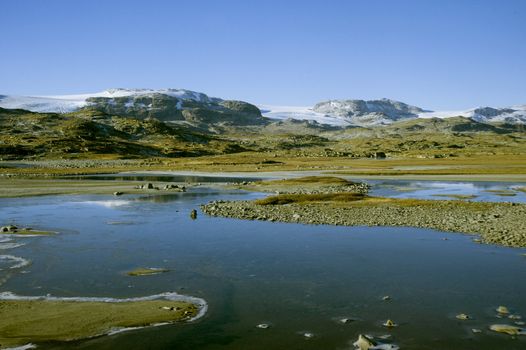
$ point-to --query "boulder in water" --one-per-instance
(503, 310)
(507, 329)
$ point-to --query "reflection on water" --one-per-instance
(477, 191)
(296, 278)
(164, 178)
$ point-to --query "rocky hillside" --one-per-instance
(374, 112)
(345, 113)
(90, 133)
(175, 105)
(214, 114)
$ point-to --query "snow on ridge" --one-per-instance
(120, 92)
(42, 104)
(301, 113)
(70, 103)
(514, 114)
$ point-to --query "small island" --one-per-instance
(39, 319)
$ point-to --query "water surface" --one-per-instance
(297, 278)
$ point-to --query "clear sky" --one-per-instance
(443, 54)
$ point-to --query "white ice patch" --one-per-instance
(307, 113)
(108, 204)
(70, 103)
(23, 347)
(5, 246)
(17, 261)
(300, 113)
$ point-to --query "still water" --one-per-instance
(296, 278)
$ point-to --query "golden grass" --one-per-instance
(310, 198)
(308, 180)
(146, 271)
(456, 196)
(361, 200)
(253, 162)
(25, 321)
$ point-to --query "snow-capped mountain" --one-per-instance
(346, 112)
(513, 115)
(171, 105)
(70, 103)
(384, 112)
(175, 104)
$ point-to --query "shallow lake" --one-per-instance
(475, 191)
(296, 278)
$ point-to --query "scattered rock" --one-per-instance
(9, 228)
(345, 320)
(507, 329)
(503, 310)
(389, 324)
(308, 335)
(364, 343)
(193, 214)
(117, 193)
(452, 216)
(476, 330)
(170, 308)
(463, 317)
(263, 326)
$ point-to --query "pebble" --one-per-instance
(389, 324)
(345, 320)
(463, 317)
(507, 329)
(503, 310)
(308, 335)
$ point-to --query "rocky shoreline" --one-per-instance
(305, 185)
(496, 223)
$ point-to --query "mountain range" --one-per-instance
(196, 108)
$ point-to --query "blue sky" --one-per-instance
(434, 54)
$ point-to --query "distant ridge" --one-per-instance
(171, 104)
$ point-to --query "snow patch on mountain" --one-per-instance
(70, 103)
(347, 112)
(384, 112)
(333, 112)
(514, 114)
(300, 113)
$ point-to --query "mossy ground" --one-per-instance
(21, 187)
(310, 198)
(456, 196)
(308, 180)
(483, 167)
(146, 271)
(38, 321)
